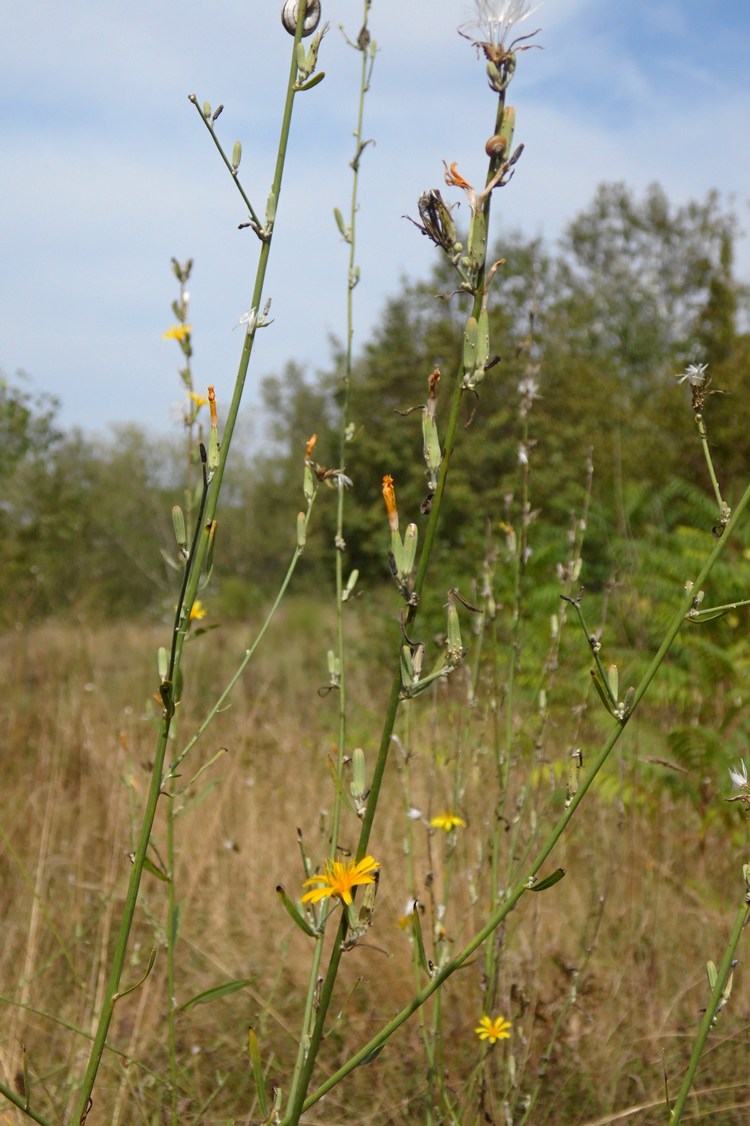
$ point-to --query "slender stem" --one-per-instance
(204, 530)
(172, 921)
(232, 170)
(523, 885)
(703, 434)
(249, 654)
(126, 923)
(743, 915)
(352, 277)
(295, 1105)
(9, 1094)
(310, 1041)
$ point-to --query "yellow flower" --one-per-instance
(197, 611)
(447, 821)
(492, 1030)
(338, 878)
(199, 400)
(176, 332)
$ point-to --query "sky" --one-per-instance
(108, 171)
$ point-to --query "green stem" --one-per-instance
(309, 1045)
(9, 1094)
(295, 1105)
(547, 847)
(703, 434)
(366, 73)
(172, 920)
(188, 594)
(232, 171)
(743, 915)
(128, 913)
(249, 653)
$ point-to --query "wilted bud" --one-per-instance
(437, 221)
(389, 496)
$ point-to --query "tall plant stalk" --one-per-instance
(196, 564)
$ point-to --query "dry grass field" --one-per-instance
(615, 952)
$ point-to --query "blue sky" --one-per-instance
(108, 172)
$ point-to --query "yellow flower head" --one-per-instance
(339, 877)
(199, 400)
(198, 611)
(447, 821)
(492, 1030)
(177, 332)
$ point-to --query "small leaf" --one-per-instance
(549, 881)
(215, 993)
(255, 1062)
(315, 81)
(416, 929)
(175, 925)
(152, 868)
(340, 223)
(373, 1055)
(293, 913)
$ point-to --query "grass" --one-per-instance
(617, 949)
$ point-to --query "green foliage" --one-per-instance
(86, 524)
(635, 289)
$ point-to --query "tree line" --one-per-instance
(600, 325)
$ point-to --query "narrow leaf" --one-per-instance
(152, 868)
(213, 994)
(260, 1086)
(549, 881)
(293, 913)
